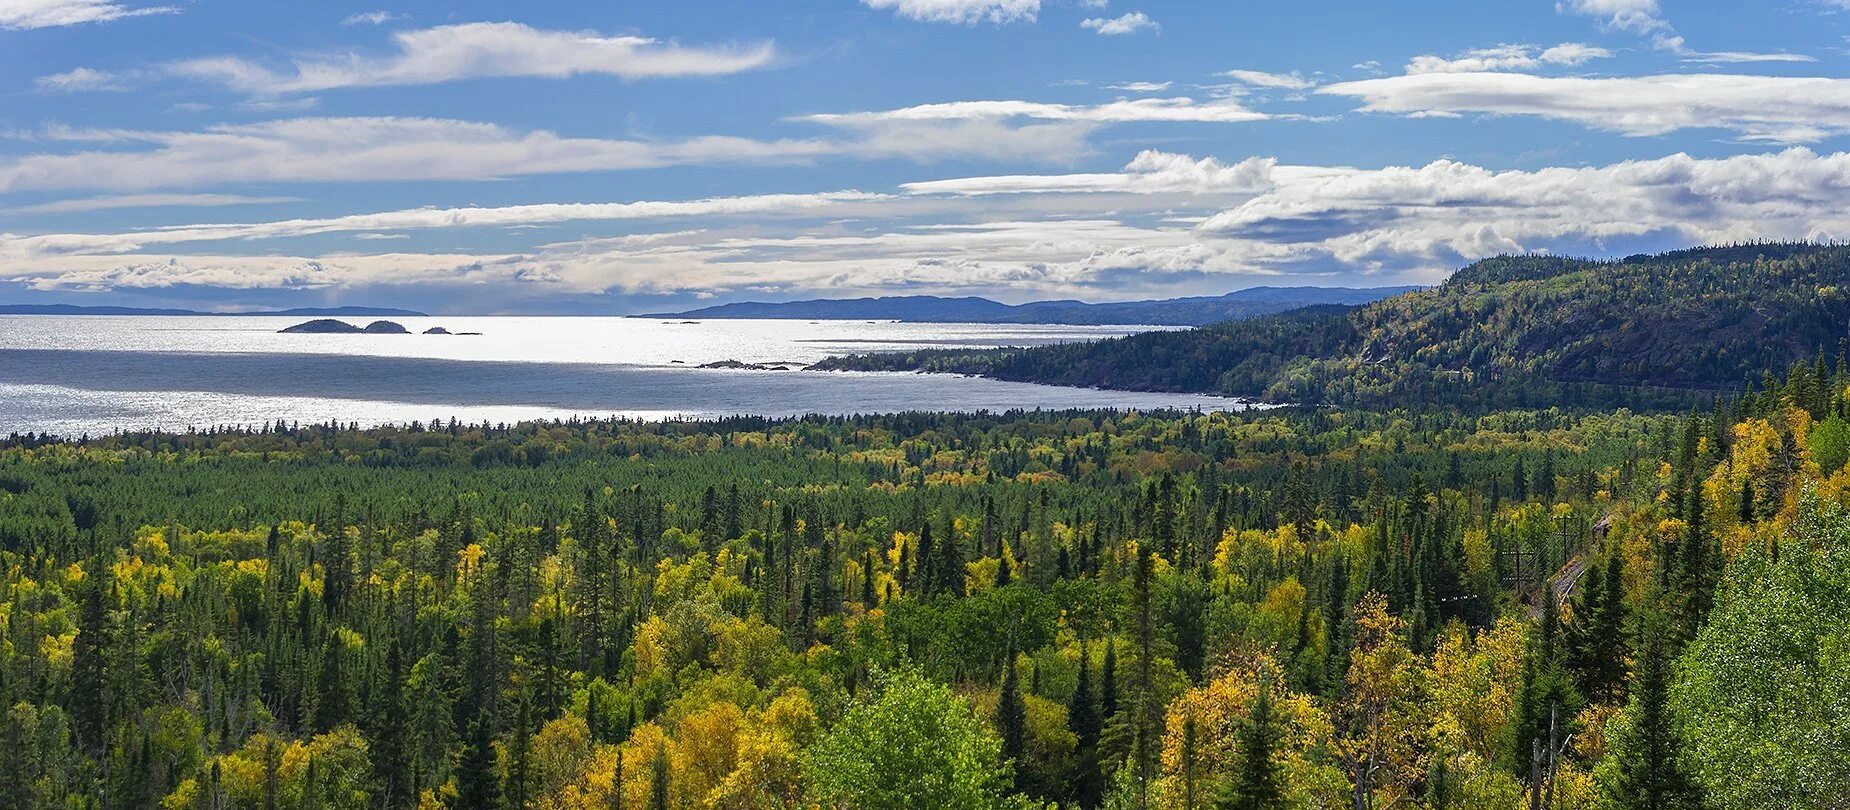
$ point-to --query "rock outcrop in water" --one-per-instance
(330, 326)
(322, 326)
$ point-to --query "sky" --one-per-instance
(609, 158)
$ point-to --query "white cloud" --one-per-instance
(1766, 108)
(386, 149)
(962, 12)
(77, 80)
(1260, 78)
(1638, 16)
(17, 15)
(1509, 58)
(1643, 17)
(480, 50)
(367, 225)
(311, 150)
(146, 201)
(1129, 23)
(370, 18)
(1177, 109)
(1151, 172)
(1450, 210)
(1079, 235)
(1140, 87)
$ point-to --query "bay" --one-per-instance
(89, 374)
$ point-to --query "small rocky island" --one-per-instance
(330, 326)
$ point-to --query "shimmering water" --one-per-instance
(73, 375)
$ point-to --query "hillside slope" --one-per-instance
(1508, 330)
(1196, 311)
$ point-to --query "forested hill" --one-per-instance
(1507, 330)
(1197, 311)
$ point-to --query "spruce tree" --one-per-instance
(658, 778)
(88, 669)
(1258, 783)
(1082, 717)
(1012, 716)
(1650, 776)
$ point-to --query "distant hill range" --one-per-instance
(1196, 311)
(305, 312)
(1667, 330)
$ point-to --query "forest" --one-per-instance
(1289, 608)
(1645, 332)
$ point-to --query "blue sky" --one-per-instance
(611, 158)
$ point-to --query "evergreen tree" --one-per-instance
(1012, 717)
(1650, 776)
(1258, 783)
(477, 784)
(658, 778)
(88, 670)
(1082, 718)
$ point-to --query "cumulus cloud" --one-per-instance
(962, 12)
(1448, 209)
(1130, 23)
(1765, 108)
(480, 50)
(1639, 16)
(1509, 58)
(19, 15)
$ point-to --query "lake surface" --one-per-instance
(95, 374)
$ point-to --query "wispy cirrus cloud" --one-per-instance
(445, 54)
(1645, 18)
(116, 201)
(1151, 172)
(20, 15)
(79, 80)
(385, 149)
(1778, 109)
(370, 18)
(1279, 81)
(474, 51)
(1176, 109)
(320, 150)
(961, 12)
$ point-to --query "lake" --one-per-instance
(98, 374)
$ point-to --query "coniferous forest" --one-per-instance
(1271, 609)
